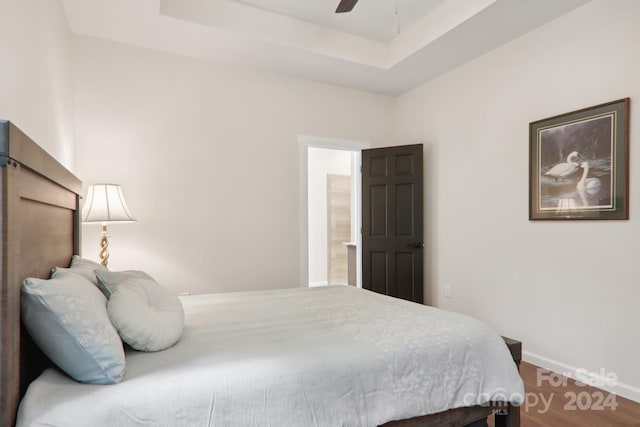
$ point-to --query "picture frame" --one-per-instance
(579, 164)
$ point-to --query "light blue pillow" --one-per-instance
(84, 267)
(108, 281)
(67, 318)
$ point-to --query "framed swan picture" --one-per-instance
(579, 164)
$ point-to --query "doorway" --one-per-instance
(330, 211)
(399, 261)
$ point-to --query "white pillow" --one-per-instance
(147, 315)
(67, 318)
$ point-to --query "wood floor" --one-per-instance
(553, 400)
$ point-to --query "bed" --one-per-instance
(285, 357)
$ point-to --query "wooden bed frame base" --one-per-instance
(505, 416)
(40, 229)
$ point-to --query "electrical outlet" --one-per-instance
(447, 292)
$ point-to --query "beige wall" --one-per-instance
(35, 71)
(208, 158)
(568, 290)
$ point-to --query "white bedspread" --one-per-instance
(335, 356)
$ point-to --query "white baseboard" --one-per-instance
(314, 284)
(602, 382)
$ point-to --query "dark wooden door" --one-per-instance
(392, 242)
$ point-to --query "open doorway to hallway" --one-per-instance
(315, 219)
(333, 216)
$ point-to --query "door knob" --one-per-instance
(417, 245)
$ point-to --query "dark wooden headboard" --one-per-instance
(40, 221)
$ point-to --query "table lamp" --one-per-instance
(105, 204)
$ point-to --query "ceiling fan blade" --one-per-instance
(346, 6)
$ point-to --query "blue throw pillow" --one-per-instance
(67, 318)
(84, 267)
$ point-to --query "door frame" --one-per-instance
(304, 142)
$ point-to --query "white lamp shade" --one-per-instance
(105, 204)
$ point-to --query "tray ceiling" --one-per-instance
(384, 46)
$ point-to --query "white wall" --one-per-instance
(35, 71)
(568, 290)
(208, 158)
(322, 162)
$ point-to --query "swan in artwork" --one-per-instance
(563, 170)
(588, 185)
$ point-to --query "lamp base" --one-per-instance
(104, 244)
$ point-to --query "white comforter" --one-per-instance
(335, 356)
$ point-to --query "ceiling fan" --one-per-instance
(346, 6)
